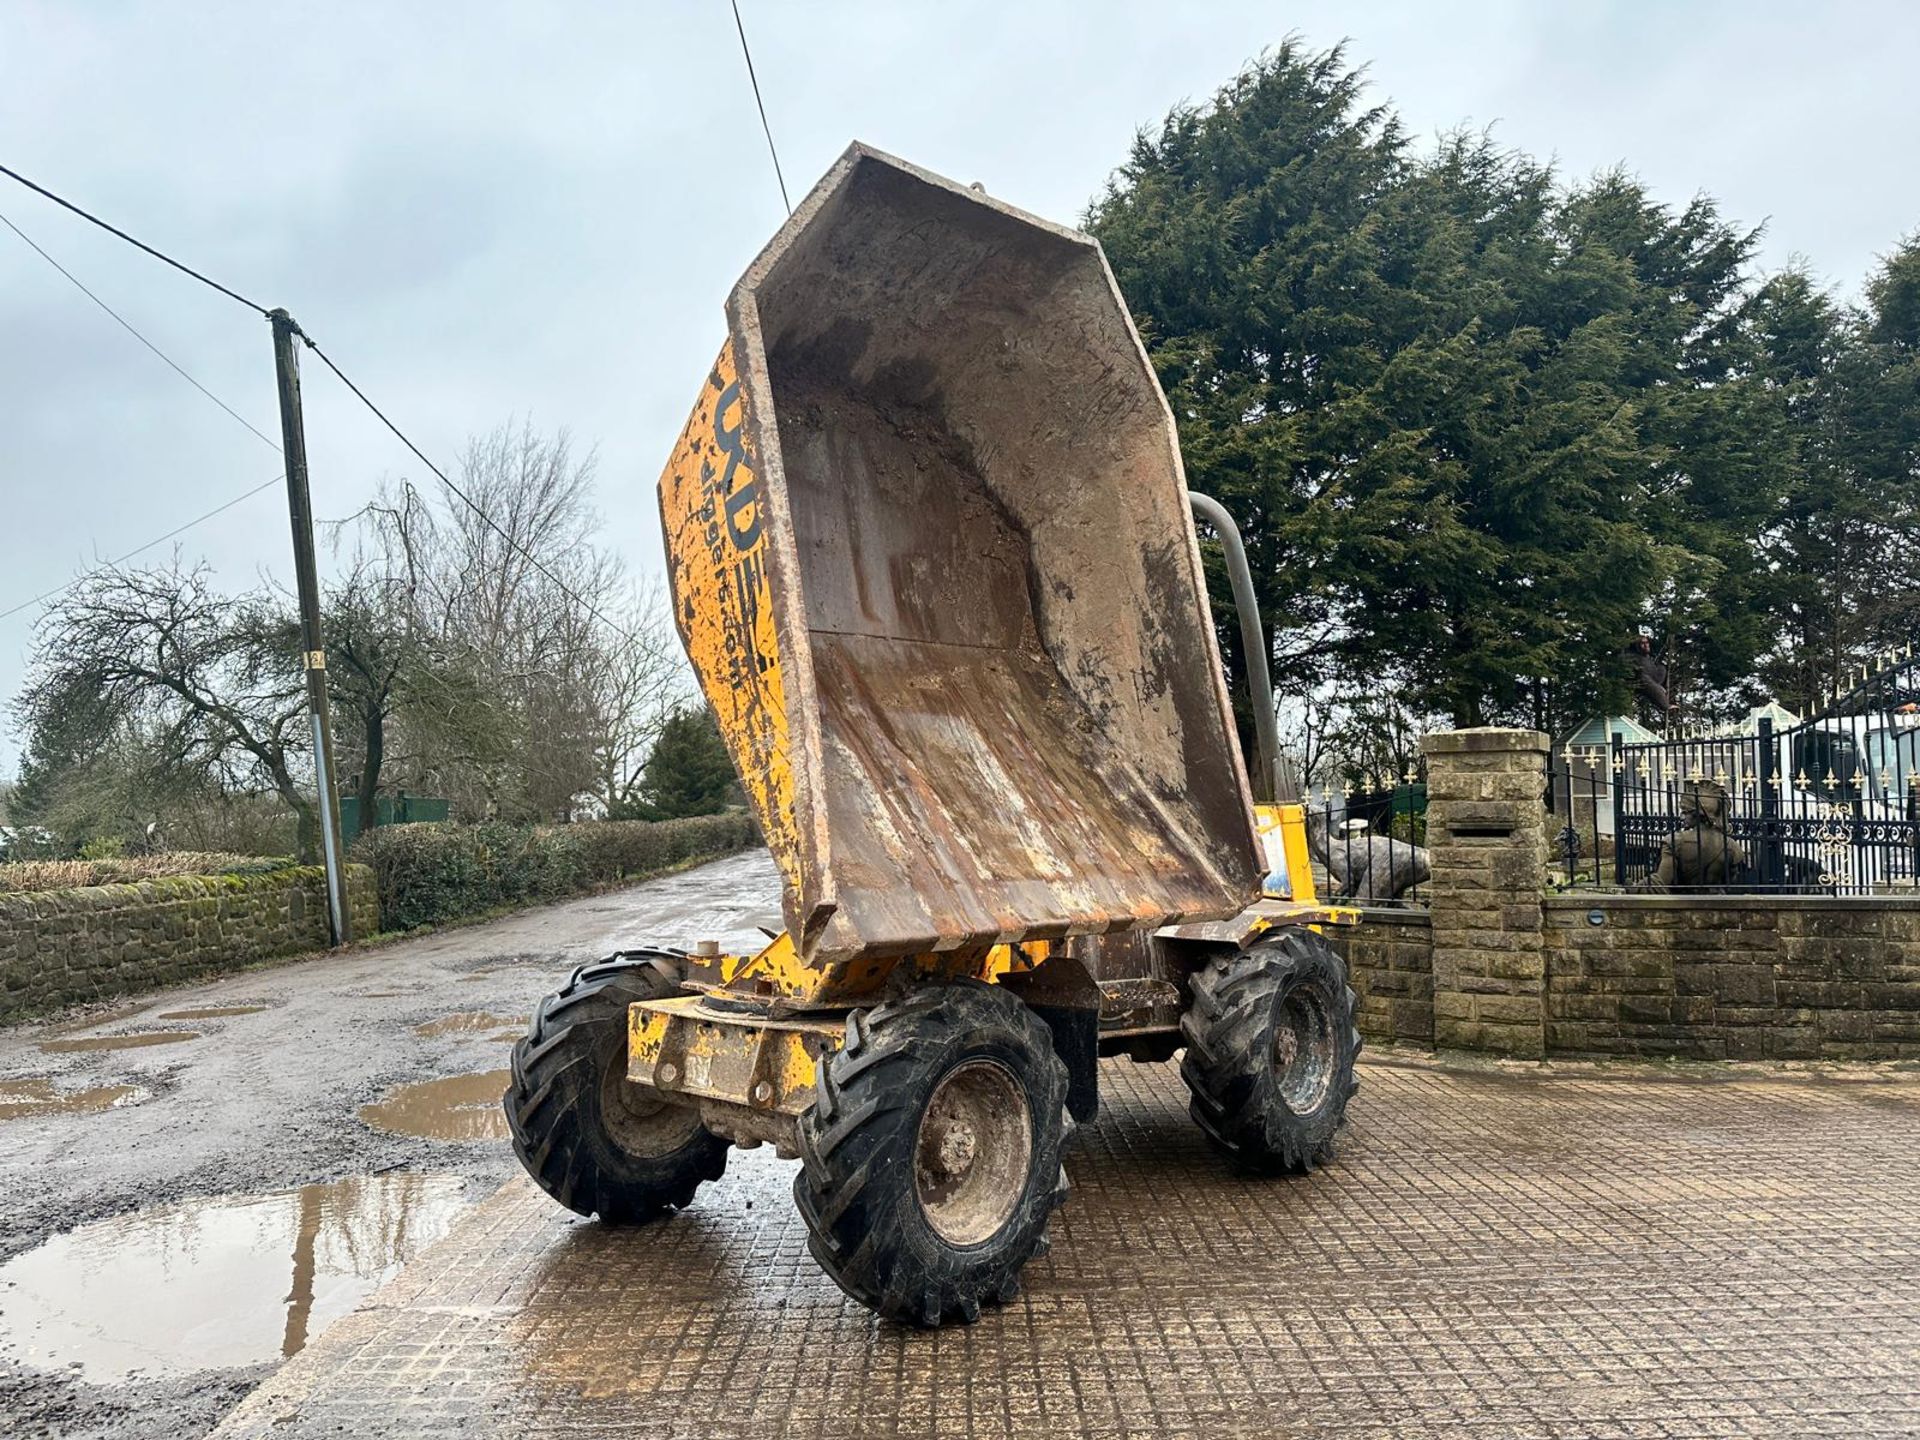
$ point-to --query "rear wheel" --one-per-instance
(1270, 1051)
(591, 1138)
(932, 1153)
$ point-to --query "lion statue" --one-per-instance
(1700, 855)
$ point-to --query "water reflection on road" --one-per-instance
(215, 1283)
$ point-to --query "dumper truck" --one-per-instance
(933, 559)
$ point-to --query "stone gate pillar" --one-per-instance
(1487, 837)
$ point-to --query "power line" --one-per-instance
(127, 325)
(467, 500)
(761, 104)
(358, 393)
(142, 549)
(160, 255)
(179, 370)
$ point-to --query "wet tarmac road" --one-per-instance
(189, 1139)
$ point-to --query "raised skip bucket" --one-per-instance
(931, 556)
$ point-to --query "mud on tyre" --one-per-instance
(595, 1142)
(931, 1153)
(1270, 1050)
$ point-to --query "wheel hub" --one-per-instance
(1303, 1049)
(973, 1151)
(956, 1147)
(637, 1119)
(1286, 1048)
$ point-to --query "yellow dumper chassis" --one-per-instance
(745, 1046)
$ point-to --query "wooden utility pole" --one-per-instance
(293, 439)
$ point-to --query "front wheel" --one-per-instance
(592, 1139)
(932, 1153)
(1270, 1051)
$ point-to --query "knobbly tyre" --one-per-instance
(932, 560)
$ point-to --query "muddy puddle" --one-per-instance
(455, 1107)
(98, 1018)
(211, 1012)
(467, 1022)
(137, 1041)
(215, 1283)
(36, 1095)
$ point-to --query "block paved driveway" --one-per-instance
(1491, 1255)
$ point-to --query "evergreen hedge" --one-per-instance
(431, 873)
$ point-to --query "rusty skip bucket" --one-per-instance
(931, 557)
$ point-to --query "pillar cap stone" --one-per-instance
(1482, 739)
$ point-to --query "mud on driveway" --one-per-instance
(193, 1183)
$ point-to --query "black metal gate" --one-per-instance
(1828, 805)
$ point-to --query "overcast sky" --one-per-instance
(486, 210)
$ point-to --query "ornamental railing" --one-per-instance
(1826, 805)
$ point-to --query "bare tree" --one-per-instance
(379, 656)
(503, 662)
(209, 683)
(538, 676)
(1355, 734)
(641, 681)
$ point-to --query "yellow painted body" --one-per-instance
(717, 545)
(777, 971)
(768, 1060)
(717, 541)
(1283, 840)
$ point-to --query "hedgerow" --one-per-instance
(431, 873)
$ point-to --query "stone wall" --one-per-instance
(1734, 977)
(1499, 966)
(62, 947)
(1389, 959)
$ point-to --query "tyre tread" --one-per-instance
(1227, 1029)
(845, 1139)
(552, 1067)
